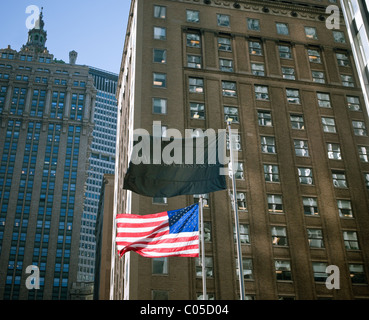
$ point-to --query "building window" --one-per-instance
(208, 267)
(159, 200)
(283, 270)
(318, 76)
(288, 73)
(353, 103)
(193, 16)
(239, 171)
(279, 236)
(320, 274)
(350, 239)
(334, 151)
(255, 48)
(297, 122)
(324, 100)
(310, 206)
(311, 33)
(301, 148)
(247, 268)
(265, 118)
(241, 200)
(314, 56)
(160, 265)
(229, 89)
(224, 44)
(305, 175)
(160, 80)
(364, 153)
(193, 40)
(282, 28)
(293, 96)
(347, 80)
(244, 234)
(257, 69)
(339, 37)
(205, 199)
(271, 173)
(231, 113)
(223, 20)
(285, 52)
(159, 106)
(275, 203)
(193, 61)
(268, 144)
(328, 125)
(209, 296)
(359, 128)
(226, 65)
(207, 231)
(342, 59)
(357, 273)
(160, 33)
(339, 179)
(253, 24)
(261, 92)
(159, 295)
(344, 209)
(197, 110)
(236, 142)
(366, 179)
(315, 238)
(160, 55)
(196, 85)
(160, 12)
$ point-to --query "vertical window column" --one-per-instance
(8, 98)
(27, 106)
(48, 101)
(87, 106)
(68, 97)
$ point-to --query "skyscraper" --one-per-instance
(290, 85)
(101, 161)
(46, 116)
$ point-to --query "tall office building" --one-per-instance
(46, 116)
(356, 15)
(101, 161)
(290, 85)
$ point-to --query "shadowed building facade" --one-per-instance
(291, 87)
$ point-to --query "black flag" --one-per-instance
(176, 167)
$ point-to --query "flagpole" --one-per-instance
(201, 204)
(236, 218)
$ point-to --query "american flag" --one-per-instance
(169, 233)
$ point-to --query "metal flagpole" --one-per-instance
(236, 219)
(201, 204)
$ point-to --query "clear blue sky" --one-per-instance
(94, 28)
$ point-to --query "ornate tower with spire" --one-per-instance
(37, 37)
(49, 106)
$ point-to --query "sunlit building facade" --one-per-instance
(291, 87)
(46, 122)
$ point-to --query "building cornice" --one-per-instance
(295, 9)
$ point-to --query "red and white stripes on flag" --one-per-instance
(159, 235)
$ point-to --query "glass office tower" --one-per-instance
(101, 161)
